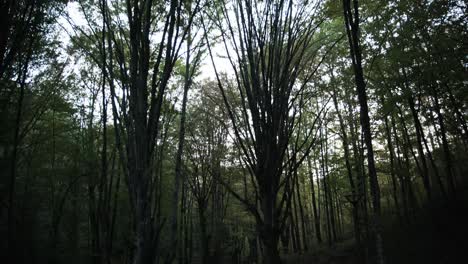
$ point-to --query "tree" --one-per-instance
(140, 109)
(269, 45)
(351, 17)
(205, 153)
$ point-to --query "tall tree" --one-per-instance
(269, 45)
(145, 75)
(351, 17)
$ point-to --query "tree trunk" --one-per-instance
(270, 249)
(352, 29)
(408, 148)
(392, 164)
(445, 145)
(461, 118)
(361, 191)
(295, 226)
(11, 227)
(401, 179)
(301, 212)
(314, 204)
(422, 157)
(269, 233)
(325, 187)
(354, 195)
(180, 149)
(204, 240)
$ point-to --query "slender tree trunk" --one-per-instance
(301, 212)
(180, 149)
(354, 199)
(295, 224)
(12, 183)
(407, 148)
(422, 157)
(461, 118)
(361, 192)
(314, 204)
(404, 194)
(189, 232)
(295, 208)
(326, 188)
(114, 216)
(292, 232)
(181, 248)
(392, 165)
(102, 214)
(319, 196)
(445, 145)
(23, 74)
(433, 164)
(339, 215)
(352, 29)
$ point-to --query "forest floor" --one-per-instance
(340, 253)
(437, 234)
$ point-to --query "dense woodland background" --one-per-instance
(233, 131)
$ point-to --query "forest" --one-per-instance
(233, 131)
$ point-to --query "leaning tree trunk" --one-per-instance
(422, 157)
(445, 145)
